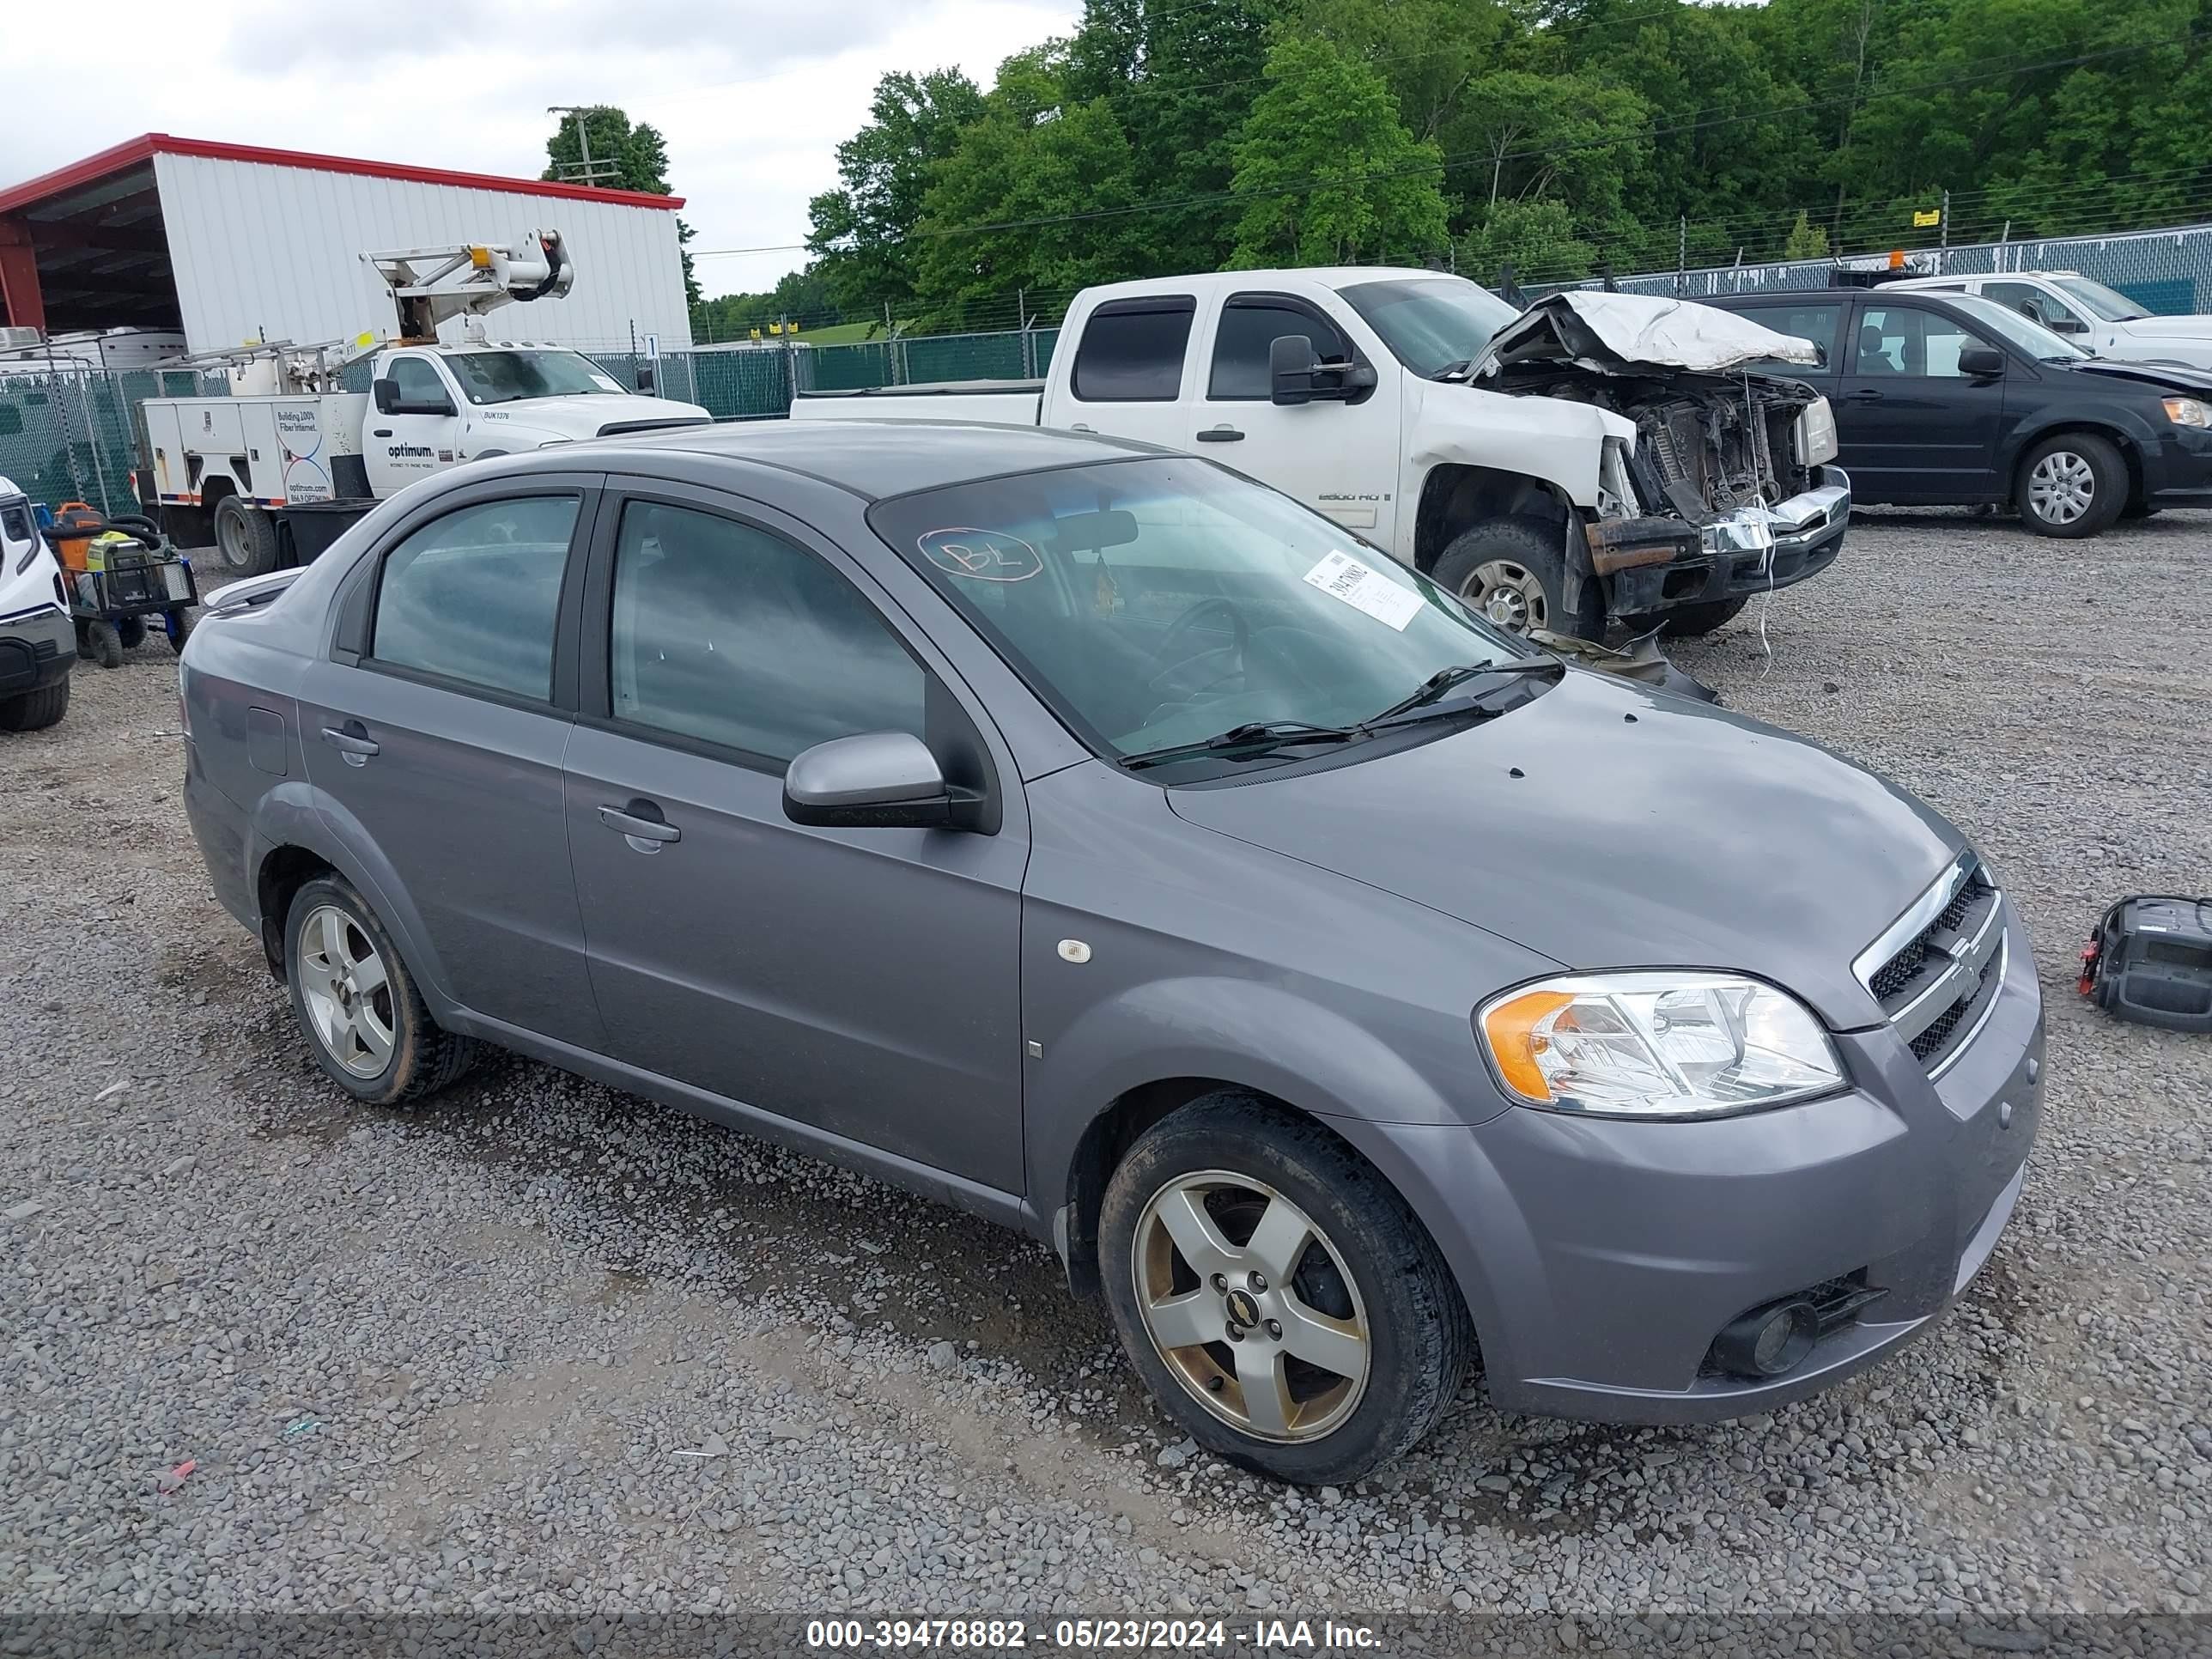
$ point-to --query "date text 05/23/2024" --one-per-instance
(1087, 1635)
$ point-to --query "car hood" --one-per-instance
(2166, 377)
(589, 416)
(1685, 836)
(2179, 328)
(1614, 333)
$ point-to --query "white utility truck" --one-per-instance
(227, 469)
(1598, 455)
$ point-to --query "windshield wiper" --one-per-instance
(1253, 737)
(1454, 371)
(1445, 679)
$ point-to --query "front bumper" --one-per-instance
(36, 650)
(1601, 1257)
(1653, 566)
(2178, 471)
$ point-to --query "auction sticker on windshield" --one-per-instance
(1343, 577)
(982, 555)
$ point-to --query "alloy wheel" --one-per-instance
(1507, 594)
(2062, 487)
(1251, 1306)
(347, 990)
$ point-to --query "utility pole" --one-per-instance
(586, 172)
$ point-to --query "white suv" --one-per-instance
(38, 642)
(2098, 319)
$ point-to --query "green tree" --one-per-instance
(859, 230)
(1535, 239)
(1806, 240)
(1326, 171)
(799, 296)
(1035, 156)
(624, 157)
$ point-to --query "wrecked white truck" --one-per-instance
(1597, 457)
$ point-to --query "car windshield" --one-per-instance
(2100, 301)
(1159, 602)
(504, 377)
(1431, 323)
(2030, 335)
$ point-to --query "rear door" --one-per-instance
(436, 727)
(1340, 458)
(1909, 425)
(1130, 363)
(864, 981)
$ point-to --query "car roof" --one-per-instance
(1206, 283)
(871, 459)
(1792, 295)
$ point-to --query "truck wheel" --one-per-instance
(1514, 573)
(1688, 621)
(2073, 485)
(245, 537)
(1276, 1295)
(131, 631)
(357, 1001)
(34, 711)
(179, 630)
(103, 644)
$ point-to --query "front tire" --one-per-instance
(244, 538)
(1514, 573)
(103, 643)
(2071, 486)
(34, 711)
(1276, 1294)
(355, 1000)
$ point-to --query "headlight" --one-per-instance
(1658, 1043)
(2187, 412)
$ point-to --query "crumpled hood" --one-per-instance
(1690, 836)
(1613, 332)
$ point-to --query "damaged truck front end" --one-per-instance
(1728, 489)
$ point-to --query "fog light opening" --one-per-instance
(1768, 1341)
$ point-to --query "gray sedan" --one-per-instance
(1099, 842)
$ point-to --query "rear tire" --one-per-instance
(1514, 573)
(1364, 1289)
(131, 631)
(356, 1002)
(244, 538)
(179, 630)
(34, 711)
(2071, 486)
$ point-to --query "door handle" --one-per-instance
(1221, 434)
(1865, 394)
(352, 740)
(640, 820)
(381, 431)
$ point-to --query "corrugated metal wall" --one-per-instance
(274, 252)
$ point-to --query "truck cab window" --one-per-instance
(417, 381)
(1133, 351)
(1249, 327)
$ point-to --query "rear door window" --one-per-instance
(473, 596)
(1816, 323)
(1131, 350)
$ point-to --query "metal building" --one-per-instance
(230, 243)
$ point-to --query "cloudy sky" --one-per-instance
(753, 96)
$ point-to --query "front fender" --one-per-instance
(1247, 1034)
(297, 814)
(1555, 440)
(2132, 430)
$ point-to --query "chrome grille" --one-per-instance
(1936, 970)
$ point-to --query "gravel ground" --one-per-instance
(544, 1349)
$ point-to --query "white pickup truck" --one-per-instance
(1599, 455)
(225, 468)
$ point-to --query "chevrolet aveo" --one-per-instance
(1089, 837)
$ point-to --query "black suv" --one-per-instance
(1949, 399)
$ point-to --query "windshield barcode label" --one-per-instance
(1368, 591)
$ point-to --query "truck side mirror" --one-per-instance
(1291, 365)
(387, 396)
(2066, 325)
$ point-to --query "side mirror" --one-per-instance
(387, 396)
(877, 781)
(1291, 365)
(2066, 325)
(1981, 363)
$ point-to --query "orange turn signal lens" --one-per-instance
(1509, 1029)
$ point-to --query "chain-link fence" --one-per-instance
(69, 432)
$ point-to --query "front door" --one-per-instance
(437, 731)
(1340, 458)
(864, 981)
(417, 437)
(1909, 425)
